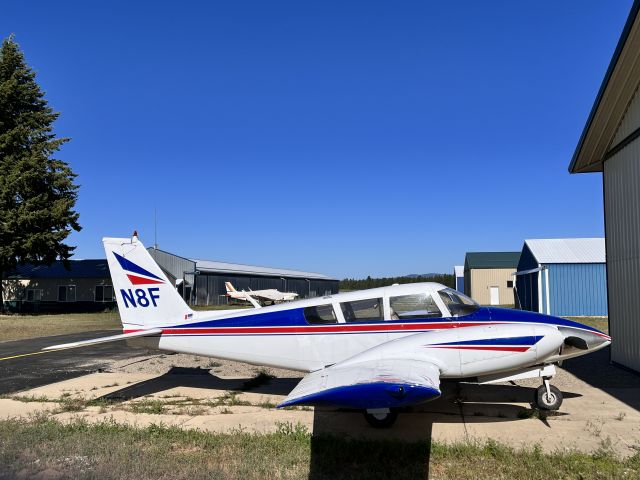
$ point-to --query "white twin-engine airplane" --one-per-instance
(376, 350)
(270, 295)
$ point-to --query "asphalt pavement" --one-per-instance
(23, 365)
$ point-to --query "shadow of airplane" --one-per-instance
(596, 370)
(343, 445)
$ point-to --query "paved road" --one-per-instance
(29, 371)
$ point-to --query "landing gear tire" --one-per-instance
(381, 419)
(548, 400)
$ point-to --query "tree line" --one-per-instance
(364, 283)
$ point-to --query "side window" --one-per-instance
(321, 314)
(420, 305)
(362, 310)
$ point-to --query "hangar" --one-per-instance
(488, 277)
(610, 143)
(563, 277)
(201, 282)
(82, 287)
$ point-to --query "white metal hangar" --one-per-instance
(610, 143)
(201, 282)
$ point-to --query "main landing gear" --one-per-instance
(548, 397)
(381, 417)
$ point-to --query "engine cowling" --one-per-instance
(473, 351)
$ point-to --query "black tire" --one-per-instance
(548, 402)
(381, 420)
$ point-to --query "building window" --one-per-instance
(104, 293)
(420, 305)
(509, 283)
(321, 314)
(362, 310)
(67, 293)
(34, 294)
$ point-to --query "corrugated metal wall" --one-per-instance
(483, 278)
(577, 289)
(622, 221)
(210, 289)
(176, 266)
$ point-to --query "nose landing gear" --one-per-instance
(548, 397)
(381, 417)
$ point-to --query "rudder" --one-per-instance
(145, 296)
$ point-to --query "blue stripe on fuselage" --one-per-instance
(530, 340)
(295, 317)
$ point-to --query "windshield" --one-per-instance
(457, 303)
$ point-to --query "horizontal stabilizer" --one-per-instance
(114, 338)
(368, 385)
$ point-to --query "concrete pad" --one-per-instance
(12, 409)
(89, 386)
(596, 413)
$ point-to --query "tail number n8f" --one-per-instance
(140, 297)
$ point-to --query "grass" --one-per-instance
(601, 323)
(19, 327)
(45, 448)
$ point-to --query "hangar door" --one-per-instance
(527, 290)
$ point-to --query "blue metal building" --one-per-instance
(563, 277)
(458, 273)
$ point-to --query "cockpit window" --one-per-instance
(457, 303)
(362, 310)
(320, 314)
(420, 305)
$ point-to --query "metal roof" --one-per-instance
(568, 250)
(458, 271)
(77, 269)
(237, 268)
(611, 101)
(491, 260)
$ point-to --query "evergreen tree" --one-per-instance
(37, 192)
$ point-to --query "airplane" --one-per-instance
(379, 350)
(270, 295)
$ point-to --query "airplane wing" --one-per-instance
(368, 385)
(249, 298)
(113, 338)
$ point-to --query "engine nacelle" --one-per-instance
(473, 351)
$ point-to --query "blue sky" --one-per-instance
(349, 138)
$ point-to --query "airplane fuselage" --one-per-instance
(474, 344)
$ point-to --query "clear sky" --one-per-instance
(349, 138)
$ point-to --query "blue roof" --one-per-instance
(77, 269)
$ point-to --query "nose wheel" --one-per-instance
(548, 397)
(381, 417)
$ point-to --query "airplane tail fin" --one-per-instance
(145, 297)
(229, 287)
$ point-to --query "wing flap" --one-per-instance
(380, 384)
(113, 338)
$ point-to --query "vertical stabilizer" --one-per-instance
(146, 298)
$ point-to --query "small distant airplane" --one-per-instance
(271, 295)
(377, 350)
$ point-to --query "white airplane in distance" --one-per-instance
(376, 350)
(270, 295)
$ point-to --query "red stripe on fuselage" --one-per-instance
(339, 328)
(135, 280)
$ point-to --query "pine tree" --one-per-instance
(37, 192)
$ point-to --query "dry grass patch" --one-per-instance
(19, 327)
